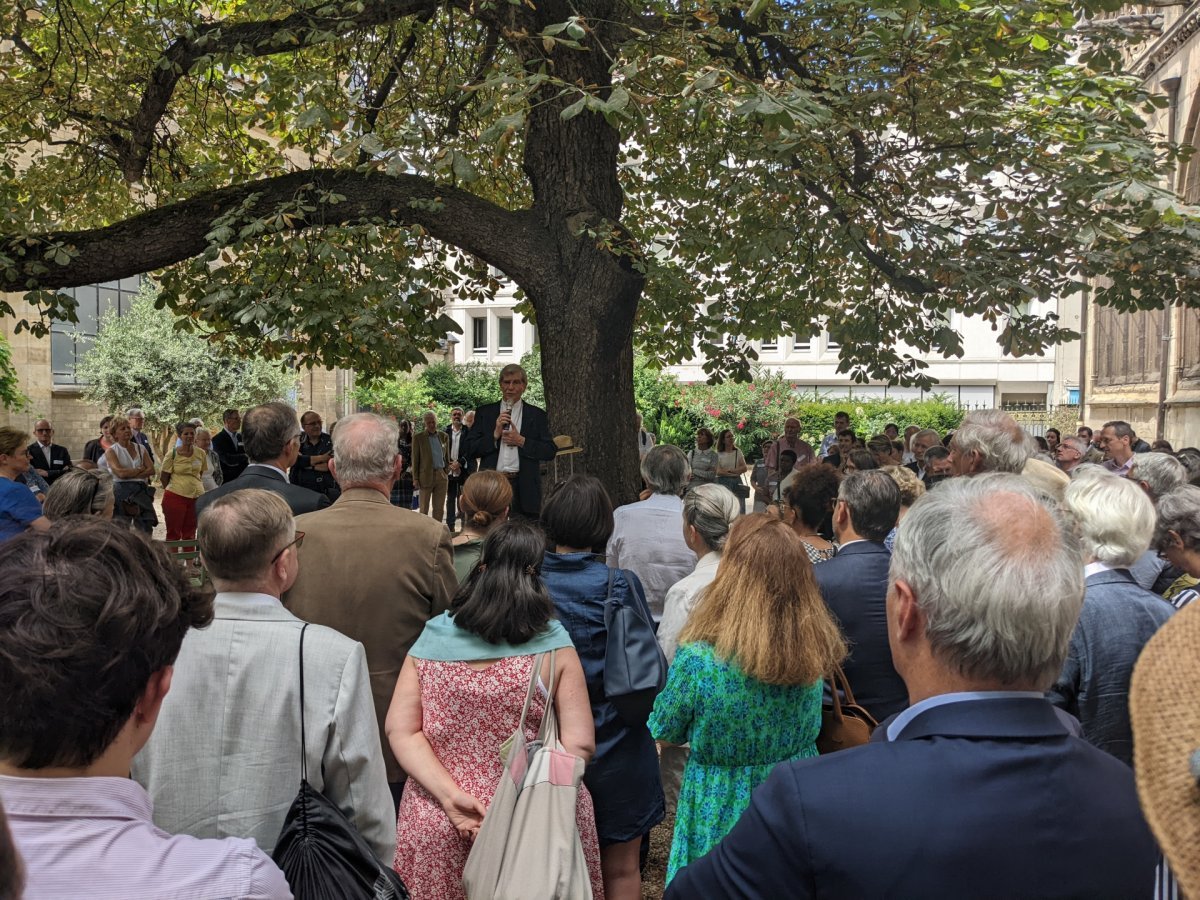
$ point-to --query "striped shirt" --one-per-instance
(95, 837)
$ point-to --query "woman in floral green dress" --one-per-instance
(745, 686)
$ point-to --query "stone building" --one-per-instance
(1145, 367)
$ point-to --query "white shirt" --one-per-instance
(455, 438)
(509, 460)
(682, 599)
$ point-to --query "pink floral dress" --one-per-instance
(466, 715)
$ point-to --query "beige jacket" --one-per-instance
(377, 574)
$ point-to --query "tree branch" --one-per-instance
(173, 233)
(881, 262)
(287, 35)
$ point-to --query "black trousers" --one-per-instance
(453, 488)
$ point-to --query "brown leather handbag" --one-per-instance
(843, 723)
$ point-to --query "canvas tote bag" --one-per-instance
(528, 846)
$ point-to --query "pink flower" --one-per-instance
(741, 425)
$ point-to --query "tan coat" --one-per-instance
(422, 457)
(377, 574)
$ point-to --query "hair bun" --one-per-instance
(482, 518)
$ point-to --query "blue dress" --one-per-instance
(739, 729)
(623, 775)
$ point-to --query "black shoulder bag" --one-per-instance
(321, 854)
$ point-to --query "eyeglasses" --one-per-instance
(298, 541)
(39, 430)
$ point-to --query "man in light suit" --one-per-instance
(225, 759)
(980, 788)
(855, 583)
(373, 571)
(431, 466)
(272, 441)
(513, 437)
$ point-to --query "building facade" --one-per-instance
(1144, 367)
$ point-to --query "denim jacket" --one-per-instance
(578, 583)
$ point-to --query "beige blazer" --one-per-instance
(422, 458)
(377, 574)
(224, 758)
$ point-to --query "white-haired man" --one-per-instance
(979, 788)
(1116, 521)
(992, 441)
(372, 571)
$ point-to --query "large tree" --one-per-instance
(310, 176)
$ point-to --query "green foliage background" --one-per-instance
(11, 396)
(754, 411)
(143, 359)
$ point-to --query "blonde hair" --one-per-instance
(911, 487)
(113, 424)
(764, 611)
(485, 496)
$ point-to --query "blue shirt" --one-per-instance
(18, 508)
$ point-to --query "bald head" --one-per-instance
(997, 576)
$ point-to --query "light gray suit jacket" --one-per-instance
(224, 759)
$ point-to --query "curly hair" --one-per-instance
(88, 612)
(812, 493)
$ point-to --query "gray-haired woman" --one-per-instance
(708, 514)
(80, 492)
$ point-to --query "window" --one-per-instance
(830, 342)
(504, 334)
(70, 341)
(802, 344)
(769, 345)
(479, 335)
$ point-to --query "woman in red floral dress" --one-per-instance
(459, 697)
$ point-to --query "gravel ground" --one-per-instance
(655, 875)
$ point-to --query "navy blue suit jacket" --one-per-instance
(300, 499)
(981, 799)
(539, 447)
(854, 585)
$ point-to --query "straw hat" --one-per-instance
(1164, 707)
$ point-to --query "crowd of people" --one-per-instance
(984, 596)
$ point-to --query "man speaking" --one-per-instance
(513, 437)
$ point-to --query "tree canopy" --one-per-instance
(142, 359)
(311, 177)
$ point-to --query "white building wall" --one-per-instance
(982, 377)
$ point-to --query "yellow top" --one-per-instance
(185, 472)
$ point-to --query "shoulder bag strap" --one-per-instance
(548, 732)
(533, 680)
(608, 596)
(303, 746)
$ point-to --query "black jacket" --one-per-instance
(232, 454)
(59, 461)
(539, 447)
(300, 499)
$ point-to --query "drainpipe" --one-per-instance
(1171, 86)
(1085, 301)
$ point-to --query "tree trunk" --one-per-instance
(583, 286)
(587, 372)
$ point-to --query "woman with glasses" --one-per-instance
(19, 509)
